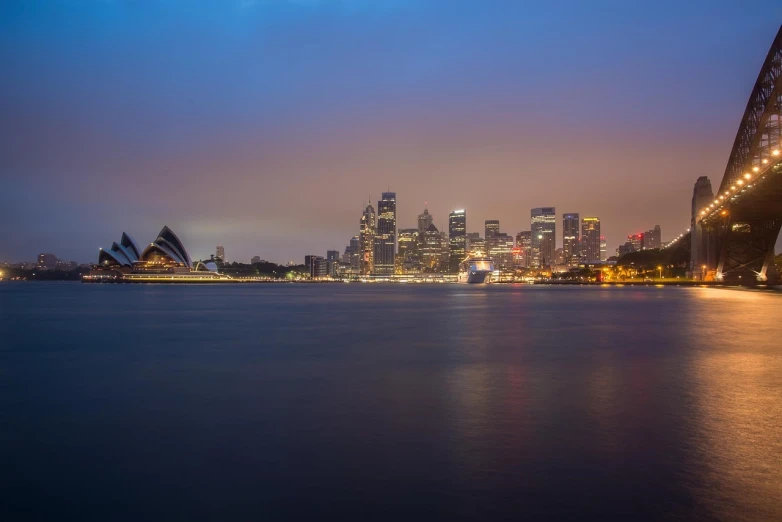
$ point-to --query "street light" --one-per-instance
(661, 271)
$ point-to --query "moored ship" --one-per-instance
(476, 270)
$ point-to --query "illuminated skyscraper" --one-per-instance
(220, 252)
(409, 251)
(603, 249)
(636, 241)
(652, 238)
(367, 240)
(499, 247)
(570, 239)
(590, 239)
(316, 266)
(432, 247)
(445, 250)
(457, 239)
(424, 220)
(332, 261)
(523, 249)
(354, 253)
(492, 227)
(476, 245)
(385, 237)
(543, 225)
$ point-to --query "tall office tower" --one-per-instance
(590, 239)
(652, 238)
(457, 240)
(432, 246)
(476, 246)
(354, 253)
(499, 247)
(603, 249)
(492, 227)
(220, 252)
(332, 261)
(702, 195)
(385, 238)
(367, 240)
(445, 251)
(316, 266)
(424, 220)
(570, 239)
(321, 268)
(543, 225)
(523, 248)
(636, 241)
(408, 247)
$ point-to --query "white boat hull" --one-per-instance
(477, 271)
(479, 277)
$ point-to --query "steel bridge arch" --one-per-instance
(753, 139)
(743, 222)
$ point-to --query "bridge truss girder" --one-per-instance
(759, 131)
(746, 250)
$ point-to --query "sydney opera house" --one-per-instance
(163, 260)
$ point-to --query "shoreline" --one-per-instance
(758, 286)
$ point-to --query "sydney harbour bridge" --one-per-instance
(735, 228)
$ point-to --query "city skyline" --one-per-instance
(426, 250)
(227, 158)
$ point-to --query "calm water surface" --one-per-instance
(336, 402)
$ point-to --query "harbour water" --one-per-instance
(389, 402)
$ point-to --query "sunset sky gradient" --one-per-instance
(264, 126)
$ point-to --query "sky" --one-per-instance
(264, 126)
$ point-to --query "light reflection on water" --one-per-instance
(444, 401)
(739, 406)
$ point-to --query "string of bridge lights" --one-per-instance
(676, 239)
(717, 206)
